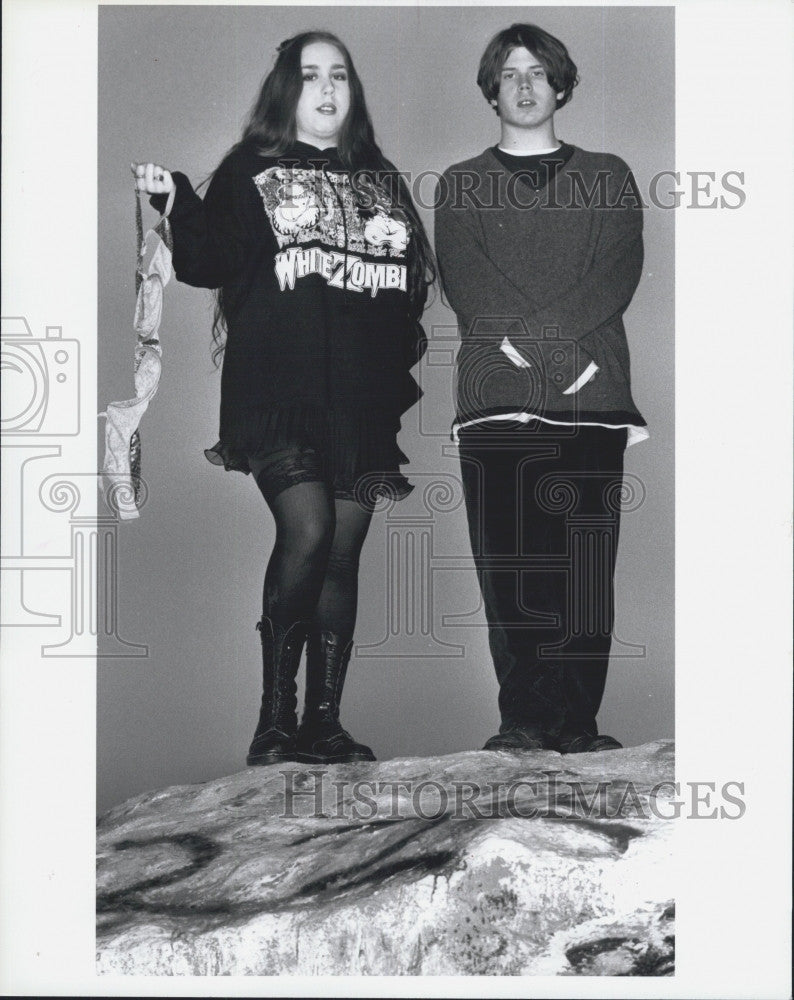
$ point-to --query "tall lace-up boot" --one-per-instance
(321, 738)
(274, 739)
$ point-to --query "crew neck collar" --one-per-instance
(530, 152)
(306, 148)
(567, 152)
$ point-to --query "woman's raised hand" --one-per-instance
(152, 178)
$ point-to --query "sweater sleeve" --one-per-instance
(478, 289)
(416, 338)
(212, 238)
(609, 284)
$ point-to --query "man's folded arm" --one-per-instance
(609, 284)
(474, 285)
(477, 287)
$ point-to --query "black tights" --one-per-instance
(313, 569)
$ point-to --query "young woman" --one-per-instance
(321, 266)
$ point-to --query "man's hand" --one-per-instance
(151, 178)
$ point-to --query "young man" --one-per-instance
(540, 250)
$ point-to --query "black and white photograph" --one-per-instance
(396, 538)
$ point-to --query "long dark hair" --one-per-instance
(271, 129)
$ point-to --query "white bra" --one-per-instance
(123, 488)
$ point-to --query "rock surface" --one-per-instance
(548, 865)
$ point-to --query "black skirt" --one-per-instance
(358, 451)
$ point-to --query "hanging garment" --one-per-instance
(123, 488)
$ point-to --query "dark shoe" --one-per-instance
(519, 738)
(321, 738)
(274, 739)
(585, 743)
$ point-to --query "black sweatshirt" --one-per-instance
(314, 274)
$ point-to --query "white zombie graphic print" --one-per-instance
(304, 205)
(383, 230)
(298, 208)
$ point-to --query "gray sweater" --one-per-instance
(539, 280)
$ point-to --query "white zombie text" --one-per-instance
(295, 262)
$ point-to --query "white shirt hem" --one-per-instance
(635, 432)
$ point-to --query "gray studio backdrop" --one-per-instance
(175, 84)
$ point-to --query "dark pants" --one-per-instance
(544, 513)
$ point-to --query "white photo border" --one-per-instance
(733, 91)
